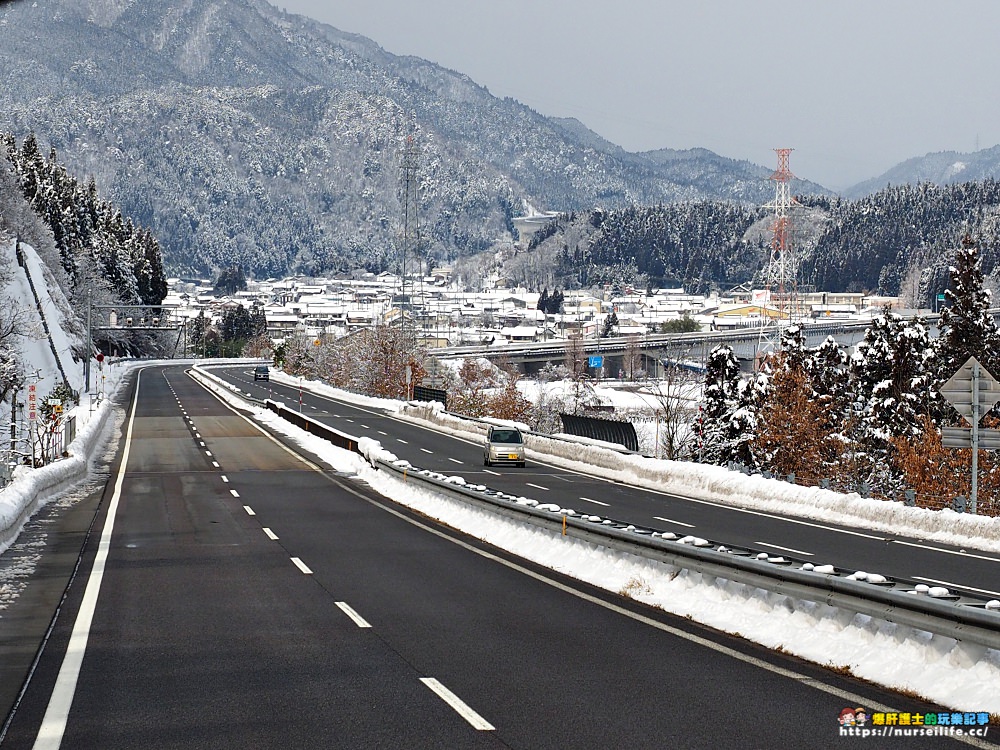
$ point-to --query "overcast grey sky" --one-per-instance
(854, 86)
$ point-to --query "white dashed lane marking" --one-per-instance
(358, 619)
(477, 721)
(672, 521)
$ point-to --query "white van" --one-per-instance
(504, 445)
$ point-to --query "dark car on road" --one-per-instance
(261, 373)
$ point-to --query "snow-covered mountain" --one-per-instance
(243, 135)
(941, 168)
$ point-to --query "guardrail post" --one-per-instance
(824, 484)
(910, 498)
(958, 504)
(766, 474)
(866, 489)
(791, 477)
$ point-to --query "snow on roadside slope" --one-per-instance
(961, 676)
(31, 489)
(711, 483)
(35, 346)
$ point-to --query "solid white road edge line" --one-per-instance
(957, 586)
(349, 611)
(477, 721)
(775, 516)
(932, 548)
(53, 727)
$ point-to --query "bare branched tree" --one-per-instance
(676, 392)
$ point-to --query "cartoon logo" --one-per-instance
(853, 717)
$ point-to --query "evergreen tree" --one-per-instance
(752, 393)
(829, 378)
(543, 301)
(792, 345)
(230, 281)
(197, 334)
(890, 377)
(720, 402)
(610, 323)
(966, 327)
(555, 302)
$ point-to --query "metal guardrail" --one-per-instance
(338, 438)
(964, 617)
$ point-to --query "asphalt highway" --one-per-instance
(851, 548)
(231, 593)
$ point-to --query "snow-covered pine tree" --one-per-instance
(889, 375)
(610, 323)
(966, 327)
(751, 394)
(826, 366)
(792, 346)
(891, 385)
(721, 399)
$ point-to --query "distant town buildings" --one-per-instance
(444, 316)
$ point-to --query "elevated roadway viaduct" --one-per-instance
(654, 349)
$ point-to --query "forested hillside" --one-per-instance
(92, 254)
(245, 136)
(100, 252)
(897, 241)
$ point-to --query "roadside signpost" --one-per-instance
(973, 391)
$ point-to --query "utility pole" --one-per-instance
(90, 346)
(976, 416)
(411, 234)
(13, 431)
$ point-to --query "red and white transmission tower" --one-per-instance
(781, 272)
